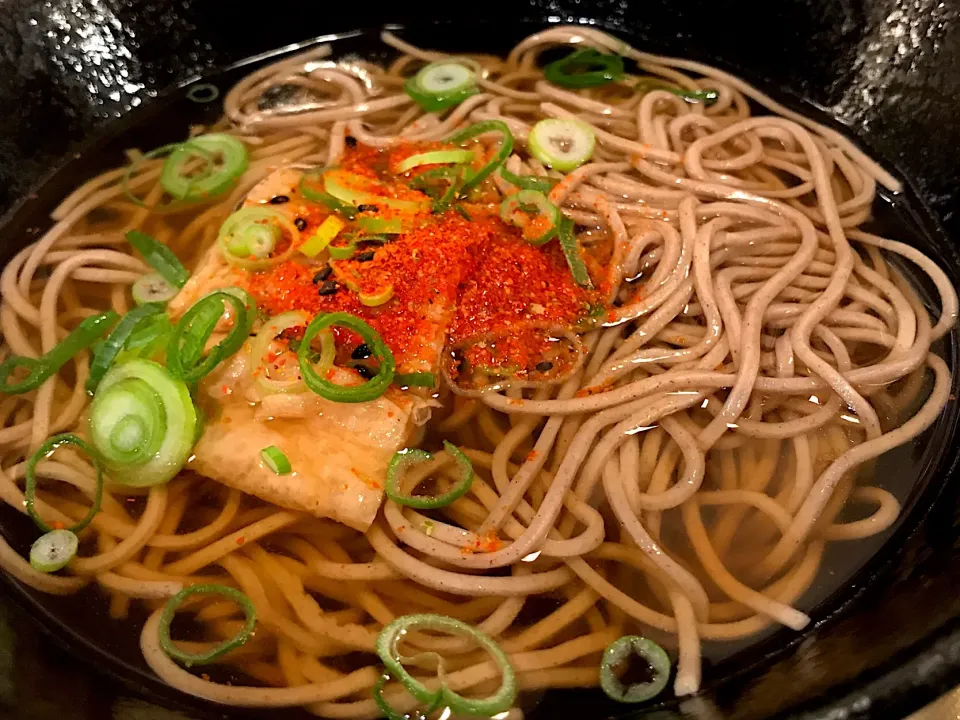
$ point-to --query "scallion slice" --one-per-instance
(185, 353)
(435, 157)
(561, 144)
(380, 225)
(153, 288)
(249, 237)
(499, 157)
(242, 636)
(53, 550)
(322, 237)
(387, 648)
(583, 68)
(376, 299)
(222, 158)
(159, 257)
(646, 84)
(106, 354)
(30, 481)
(619, 652)
(391, 713)
(142, 423)
(371, 389)
(312, 188)
(38, 370)
(348, 188)
(571, 251)
(528, 182)
(274, 458)
(261, 346)
(531, 211)
(415, 379)
(411, 456)
(441, 85)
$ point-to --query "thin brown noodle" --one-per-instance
(683, 484)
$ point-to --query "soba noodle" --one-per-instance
(682, 483)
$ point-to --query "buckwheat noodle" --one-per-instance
(683, 483)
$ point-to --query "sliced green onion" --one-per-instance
(274, 459)
(380, 225)
(190, 659)
(53, 551)
(324, 234)
(371, 389)
(159, 257)
(561, 144)
(528, 182)
(152, 155)
(30, 482)
(435, 181)
(441, 85)
(539, 228)
(343, 186)
(415, 379)
(107, 353)
(442, 204)
(309, 189)
(249, 237)
(411, 456)
(185, 352)
(499, 157)
(462, 212)
(647, 84)
(225, 159)
(39, 369)
(142, 423)
(153, 288)
(571, 251)
(619, 652)
(435, 157)
(375, 299)
(261, 345)
(584, 68)
(392, 714)
(386, 647)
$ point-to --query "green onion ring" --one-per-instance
(324, 198)
(30, 483)
(190, 659)
(39, 370)
(428, 88)
(415, 379)
(528, 182)
(513, 210)
(261, 344)
(647, 84)
(435, 157)
(159, 257)
(369, 390)
(618, 651)
(142, 422)
(571, 251)
(248, 237)
(402, 459)
(190, 334)
(390, 713)
(499, 157)
(392, 634)
(574, 71)
(215, 179)
(342, 185)
(106, 354)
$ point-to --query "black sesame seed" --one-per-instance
(544, 366)
(351, 141)
(366, 256)
(365, 372)
(324, 273)
(328, 288)
(361, 352)
(367, 208)
(279, 200)
(301, 224)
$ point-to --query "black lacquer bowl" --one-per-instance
(884, 642)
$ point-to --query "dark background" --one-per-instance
(889, 69)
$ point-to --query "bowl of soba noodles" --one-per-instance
(396, 375)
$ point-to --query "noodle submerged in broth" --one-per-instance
(421, 385)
